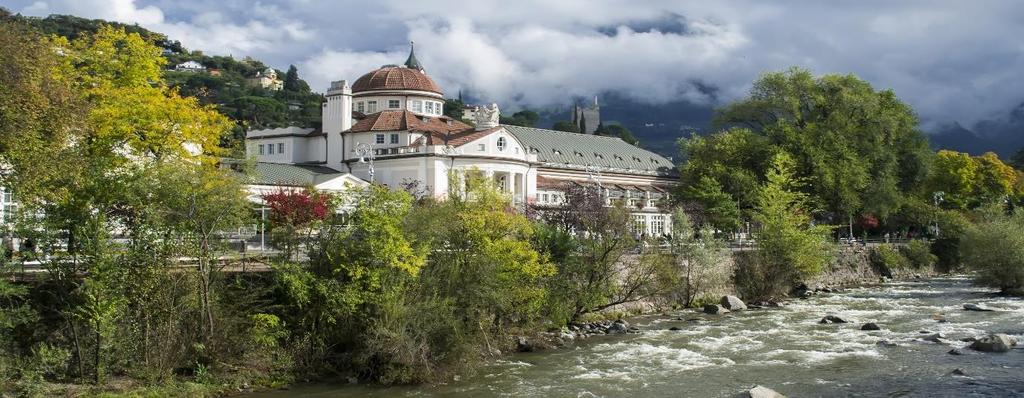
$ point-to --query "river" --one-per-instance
(784, 348)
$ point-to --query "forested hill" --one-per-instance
(223, 84)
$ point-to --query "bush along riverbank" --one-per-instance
(126, 209)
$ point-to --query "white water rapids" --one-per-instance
(782, 348)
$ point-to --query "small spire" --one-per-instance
(412, 62)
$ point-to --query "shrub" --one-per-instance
(994, 249)
(887, 259)
(918, 253)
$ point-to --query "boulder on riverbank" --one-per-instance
(993, 343)
(524, 345)
(870, 326)
(763, 392)
(733, 303)
(829, 319)
(976, 307)
(715, 309)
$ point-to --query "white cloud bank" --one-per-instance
(951, 60)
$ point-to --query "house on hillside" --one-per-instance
(190, 66)
(389, 128)
(266, 79)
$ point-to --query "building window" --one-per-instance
(428, 107)
(501, 143)
(658, 225)
(371, 106)
(261, 149)
(359, 107)
(270, 149)
(417, 106)
(394, 104)
(544, 198)
(639, 224)
(439, 107)
(481, 147)
(394, 138)
(280, 147)
(9, 207)
(379, 139)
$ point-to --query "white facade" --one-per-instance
(402, 140)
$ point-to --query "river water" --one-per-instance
(782, 348)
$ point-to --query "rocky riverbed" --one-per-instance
(906, 339)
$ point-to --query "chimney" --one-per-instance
(336, 118)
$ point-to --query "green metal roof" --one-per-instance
(295, 175)
(560, 149)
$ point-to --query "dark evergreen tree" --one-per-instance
(291, 79)
(565, 125)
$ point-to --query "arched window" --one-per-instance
(501, 143)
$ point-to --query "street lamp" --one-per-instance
(366, 151)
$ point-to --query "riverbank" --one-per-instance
(784, 348)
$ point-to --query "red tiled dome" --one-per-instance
(395, 78)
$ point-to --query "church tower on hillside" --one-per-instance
(587, 118)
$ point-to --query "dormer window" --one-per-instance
(501, 144)
(557, 152)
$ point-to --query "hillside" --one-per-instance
(223, 83)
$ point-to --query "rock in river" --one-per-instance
(733, 303)
(935, 338)
(993, 343)
(618, 328)
(870, 326)
(523, 345)
(831, 319)
(975, 307)
(764, 392)
(715, 309)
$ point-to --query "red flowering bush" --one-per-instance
(296, 208)
(292, 211)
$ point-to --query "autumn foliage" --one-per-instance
(296, 208)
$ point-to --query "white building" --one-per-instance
(190, 66)
(388, 127)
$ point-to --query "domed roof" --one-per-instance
(392, 77)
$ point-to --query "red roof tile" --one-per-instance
(403, 120)
(395, 78)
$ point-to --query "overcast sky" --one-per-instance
(952, 60)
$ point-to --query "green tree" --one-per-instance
(970, 182)
(565, 126)
(734, 159)
(697, 260)
(597, 266)
(617, 130)
(789, 246)
(994, 249)
(717, 208)
(292, 82)
(525, 118)
(454, 108)
(859, 149)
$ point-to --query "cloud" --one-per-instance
(951, 60)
